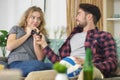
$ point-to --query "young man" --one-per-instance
(86, 34)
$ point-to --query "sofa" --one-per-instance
(55, 44)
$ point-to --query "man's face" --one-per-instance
(81, 18)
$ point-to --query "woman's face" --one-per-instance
(34, 19)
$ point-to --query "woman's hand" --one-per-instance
(40, 39)
(36, 30)
(30, 28)
(28, 31)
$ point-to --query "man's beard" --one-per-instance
(82, 25)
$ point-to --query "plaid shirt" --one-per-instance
(103, 48)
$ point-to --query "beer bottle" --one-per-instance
(88, 66)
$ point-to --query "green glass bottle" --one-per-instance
(88, 66)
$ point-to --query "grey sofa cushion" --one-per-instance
(3, 61)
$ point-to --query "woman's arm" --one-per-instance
(46, 50)
(13, 42)
(38, 49)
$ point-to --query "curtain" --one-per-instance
(72, 7)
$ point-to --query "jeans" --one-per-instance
(29, 66)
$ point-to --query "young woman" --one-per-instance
(25, 54)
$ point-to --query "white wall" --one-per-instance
(117, 23)
(3, 14)
(55, 15)
(12, 10)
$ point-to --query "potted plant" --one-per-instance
(61, 71)
(3, 40)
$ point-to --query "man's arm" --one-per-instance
(50, 54)
(109, 63)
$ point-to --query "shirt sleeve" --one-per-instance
(56, 52)
(51, 55)
(13, 30)
(109, 63)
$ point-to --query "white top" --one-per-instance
(77, 45)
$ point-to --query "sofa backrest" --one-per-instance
(117, 40)
(54, 44)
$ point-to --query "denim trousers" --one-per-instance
(29, 66)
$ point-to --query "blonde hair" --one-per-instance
(29, 11)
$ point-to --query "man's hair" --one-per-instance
(94, 10)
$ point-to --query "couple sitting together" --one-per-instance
(27, 51)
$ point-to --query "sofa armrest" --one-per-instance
(4, 59)
(113, 78)
(42, 75)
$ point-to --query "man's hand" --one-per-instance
(79, 60)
